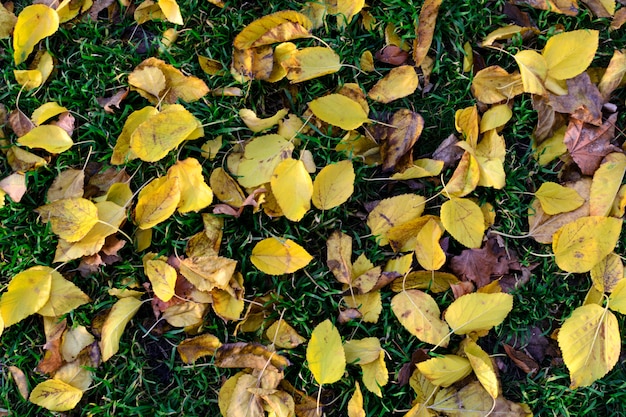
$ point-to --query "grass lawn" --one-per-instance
(147, 377)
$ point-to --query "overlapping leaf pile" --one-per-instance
(273, 172)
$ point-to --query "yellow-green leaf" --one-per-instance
(464, 220)
(325, 354)
(568, 54)
(478, 311)
(55, 395)
(27, 292)
(34, 23)
(590, 343)
(445, 370)
(277, 256)
(617, 299)
(579, 245)
(114, 325)
(339, 110)
(555, 198)
(50, 138)
(333, 185)
(292, 187)
(419, 313)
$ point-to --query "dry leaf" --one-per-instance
(425, 30)
(399, 82)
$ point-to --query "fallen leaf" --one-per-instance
(419, 314)
(308, 63)
(119, 316)
(277, 256)
(355, 404)
(20, 380)
(445, 370)
(55, 395)
(107, 103)
(568, 54)
(14, 186)
(34, 23)
(339, 110)
(478, 311)
(333, 185)
(249, 355)
(397, 147)
(26, 293)
(464, 220)
(256, 124)
(399, 82)
(494, 84)
(293, 188)
(261, 157)
(555, 198)
(483, 368)
(272, 28)
(70, 218)
(325, 354)
(425, 30)
(190, 350)
(195, 194)
(606, 183)
(157, 201)
(607, 273)
(283, 335)
(394, 211)
(50, 138)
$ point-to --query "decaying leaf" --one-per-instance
(425, 30)
(190, 350)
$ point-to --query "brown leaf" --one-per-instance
(462, 288)
(522, 360)
(190, 350)
(66, 122)
(583, 100)
(516, 15)
(397, 148)
(306, 406)
(597, 8)
(97, 7)
(112, 101)
(425, 30)
(448, 152)
(68, 184)
(588, 144)
(249, 355)
(481, 266)
(100, 182)
(548, 120)
(566, 7)
(52, 359)
(619, 19)
(392, 55)
(349, 314)
(89, 265)
(253, 63)
(20, 380)
(20, 123)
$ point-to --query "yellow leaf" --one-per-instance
(355, 404)
(433, 281)
(226, 188)
(64, 297)
(27, 292)
(605, 184)
(276, 27)
(185, 314)
(282, 52)
(464, 220)
(121, 151)
(362, 351)
(421, 168)
(394, 211)
(256, 124)
(483, 367)
(472, 400)
(195, 194)
(161, 133)
(261, 156)
(208, 271)
(190, 350)
(617, 299)
(419, 314)
(210, 66)
(333, 185)
(478, 311)
(7, 22)
(225, 305)
(369, 305)
(162, 276)
(490, 154)
(325, 354)
(366, 62)
(375, 374)
(339, 110)
(157, 201)
(29, 79)
(50, 138)
(582, 243)
(46, 111)
(496, 117)
(308, 63)
(555, 198)
(590, 343)
(339, 254)
(114, 325)
(150, 79)
(505, 32)
(465, 177)
(70, 218)
(74, 341)
(34, 23)
(607, 273)
(292, 187)
(171, 11)
(534, 70)
(149, 83)
(283, 335)
(568, 54)
(243, 402)
(1, 323)
(277, 256)
(445, 370)
(75, 374)
(55, 395)
(493, 85)
(428, 251)
(400, 82)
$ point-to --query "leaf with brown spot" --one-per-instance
(249, 355)
(190, 350)
(281, 26)
(583, 100)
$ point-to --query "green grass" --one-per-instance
(93, 59)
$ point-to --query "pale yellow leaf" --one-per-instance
(195, 194)
(362, 351)
(617, 299)
(394, 211)
(308, 63)
(75, 374)
(579, 245)
(325, 354)
(7, 22)
(555, 198)
(333, 185)
(162, 276)
(355, 404)
(478, 311)
(279, 256)
(339, 110)
(375, 374)
(590, 342)
(34, 23)
(208, 271)
(64, 297)
(272, 28)
(257, 124)
(75, 340)
(150, 79)
(50, 138)
(339, 254)
(55, 395)
(419, 314)
(70, 218)
(185, 314)
(493, 85)
(533, 69)
(14, 186)
(400, 82)
(119, 316)
(465, 177)
(368, 304)
(171, 11)
(293, 188)
(27, 292)
(464, 220)
(607, 273)
(261, 156)
(445, 370)
(568, 54)
(605, 184)
(225, 305)
(157, 201)
(483, 367)
(283, 335)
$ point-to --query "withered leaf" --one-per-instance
(588, 144)
(566, 7)
(425, 30)
(482, 265)
(397, 149)
(190, 350)
(583, 100)
(249, 355)
(521, 360)
(20, 123)
(393, 55)
(107, 103)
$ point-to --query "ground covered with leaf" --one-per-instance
(293, 208)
